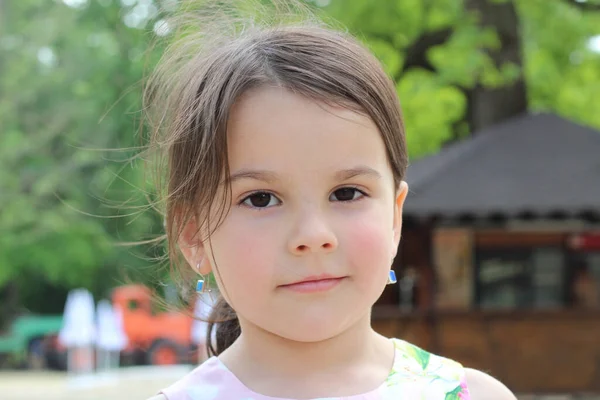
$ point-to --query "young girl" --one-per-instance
(286, 160)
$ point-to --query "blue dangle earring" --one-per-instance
(200, 284)
(392, 274)
(392, 277)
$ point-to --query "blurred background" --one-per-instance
(500, 258)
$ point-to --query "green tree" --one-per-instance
(67, 93)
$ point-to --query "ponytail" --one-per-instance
(227, 325)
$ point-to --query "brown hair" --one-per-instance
(201, 75)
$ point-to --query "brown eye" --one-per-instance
(346, 194)
(261, 200)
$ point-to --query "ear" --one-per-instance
(398, 205)
(192, 247)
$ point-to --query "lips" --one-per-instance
(313, 284)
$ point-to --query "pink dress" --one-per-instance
(416, 374)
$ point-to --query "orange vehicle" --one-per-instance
(161, 338)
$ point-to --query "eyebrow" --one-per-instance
(270, 177)
(350, 173)
(258, 175)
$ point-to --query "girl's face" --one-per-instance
(306, 247)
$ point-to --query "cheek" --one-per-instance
(370, 244)
(241, 255)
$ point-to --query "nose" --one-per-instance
(312, 234)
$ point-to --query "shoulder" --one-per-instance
(449, 376)
(484, 386)
(426, 374)
(417, 358)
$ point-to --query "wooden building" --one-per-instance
(501, 246)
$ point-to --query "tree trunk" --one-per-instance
(488, 106)
(10, 304)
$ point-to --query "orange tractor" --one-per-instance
(157, 338)
(154, 337)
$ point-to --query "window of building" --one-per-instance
(520, 278)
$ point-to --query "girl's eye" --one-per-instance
(346, 194)
(261, 200)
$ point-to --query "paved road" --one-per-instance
(128, 384)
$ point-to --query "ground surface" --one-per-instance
(128, 384)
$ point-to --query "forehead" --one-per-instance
(262, 100)
(273, 126)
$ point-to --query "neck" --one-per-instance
(263, 353)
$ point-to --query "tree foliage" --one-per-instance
(68, 94)
(438, 49)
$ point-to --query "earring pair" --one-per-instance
(200, 284)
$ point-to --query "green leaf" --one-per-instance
(454, 394)
(420, 355)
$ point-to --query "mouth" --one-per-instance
(313, 284)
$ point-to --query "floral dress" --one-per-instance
(416, 374)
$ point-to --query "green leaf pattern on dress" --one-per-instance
(422, 375)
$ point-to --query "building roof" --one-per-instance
(532, 165)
